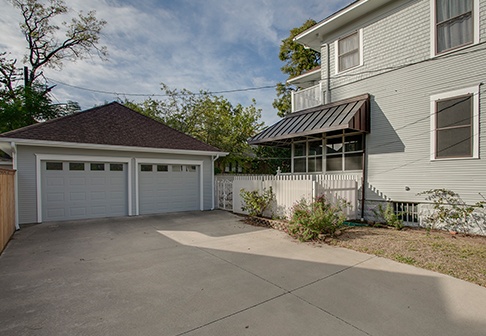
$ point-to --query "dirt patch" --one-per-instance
(460, 256)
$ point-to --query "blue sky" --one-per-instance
(213, 45)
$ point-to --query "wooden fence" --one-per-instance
(289, 189)
(7, 206)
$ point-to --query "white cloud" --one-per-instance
(212, 45)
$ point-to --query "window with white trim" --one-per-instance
(454, 24)
(455, 124)
(344, 152)
(307, 156)
(349, 51)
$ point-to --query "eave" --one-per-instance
(315, 36)
(6, 147)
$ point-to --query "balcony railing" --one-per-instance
(307, 98)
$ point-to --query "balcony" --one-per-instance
(307, 98)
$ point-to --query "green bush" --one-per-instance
(255, 203)
(309, 220)
(388, 216)
(452, 213)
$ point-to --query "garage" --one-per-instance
(108, 161)
(75, 190)
(168, 188)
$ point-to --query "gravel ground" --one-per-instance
(458, 255)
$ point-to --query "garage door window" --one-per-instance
(76, 166)
(53, 165)
(116, 167)
(97, 166)
(146, 168)
(190, 168)
(177, 168)
(162, 168)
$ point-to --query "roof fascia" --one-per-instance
(335, 21)
(29, 142)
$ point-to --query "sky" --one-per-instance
(212, 45)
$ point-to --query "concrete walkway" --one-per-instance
(209, 274)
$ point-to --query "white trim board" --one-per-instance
(61, 144)
(139, 161)
(57, 157)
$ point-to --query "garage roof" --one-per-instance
(111, 124)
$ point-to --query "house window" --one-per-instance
(344, 152)
(455, 124)
(348, 51)
(307, 156)
(454, 24)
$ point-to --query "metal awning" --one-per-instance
(352, 114)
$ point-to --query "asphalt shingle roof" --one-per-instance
(111, 124)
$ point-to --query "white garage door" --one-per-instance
(76, 190)
(168, 188)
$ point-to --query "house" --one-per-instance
(105, 162)
(396, 101)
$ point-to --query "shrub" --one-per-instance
(255, 203)
(310, 220)
(388, 216)
(451, 212)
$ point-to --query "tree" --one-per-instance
(44, 46)
(24, 106)
(297, 60)
(209, 118)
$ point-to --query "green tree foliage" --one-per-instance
(209, 118)
(45, 48)
(297, 60)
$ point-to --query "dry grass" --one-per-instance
(460, 256)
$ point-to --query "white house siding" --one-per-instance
(26, 173)
(399, 144)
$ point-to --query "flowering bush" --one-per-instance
(255, 203)
(309, 220)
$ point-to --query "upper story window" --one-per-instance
(455, 124)
(349, 51)
(454, 24)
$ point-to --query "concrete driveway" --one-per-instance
(207, 273)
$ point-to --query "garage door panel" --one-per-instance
(76, 194)
(77, 212)
(56, 213)
(77, 181)
(168, 191)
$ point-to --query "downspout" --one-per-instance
(16, 184)
(363, 179)
(328, 75)
(213, 159)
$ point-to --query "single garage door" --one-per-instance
(168, 188)
(76, 190)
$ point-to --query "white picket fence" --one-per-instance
(289, 189)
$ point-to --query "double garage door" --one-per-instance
(78, 190)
